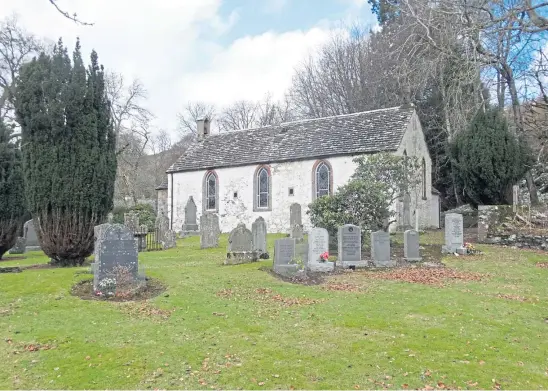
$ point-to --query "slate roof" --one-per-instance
(366, 132)
(163, 185)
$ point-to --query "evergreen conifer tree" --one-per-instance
(12, 205)
(69, 155)
(489, 159)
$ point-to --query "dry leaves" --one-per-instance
(266, 295)
(427, 276)
(144, 309)
(512, 297)
(225, 293)
(342, 287)
(543, 265)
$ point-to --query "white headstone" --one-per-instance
(454, 233)
(318, 243)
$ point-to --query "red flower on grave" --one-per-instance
(324, 256)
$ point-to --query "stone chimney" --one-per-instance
(203, 129)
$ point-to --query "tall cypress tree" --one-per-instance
(489, 159)
(69, 155)
(12, 206)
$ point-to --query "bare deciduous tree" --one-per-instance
(192, 112)
(67, 15)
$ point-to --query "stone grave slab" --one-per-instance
(454, 233)
(19, 247)
(349, 239)
(297, 233)
(411, 246)
(295, 214)
(209, 230)
(258, 230)
(318, 243)
(284, 256)
(380, 249)
(29, 233)
(240, 246)
(190, 226)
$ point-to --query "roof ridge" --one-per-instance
(340, 115)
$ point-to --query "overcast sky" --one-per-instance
(217, 51)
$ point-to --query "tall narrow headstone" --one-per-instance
(240, 246)
(295, 215)
(411, 246)
(297, 233)
(162, 226)
(209, 230)
(29, 233)
(190, 225)
(116, 249)
(454, 233)
(284, 256)
(258, 229)
(349, 239)
(380, 249)
(318, 243)
(406, 211)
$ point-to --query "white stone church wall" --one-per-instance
(296, 175)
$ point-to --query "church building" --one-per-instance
(244, 174)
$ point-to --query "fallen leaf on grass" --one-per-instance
(225, 293)
(405, 386)
(219, 314)
(481, 362)
(427, 276)
(261, 383)
(344, 287)
(543, 265)
(144, 309)
(511, 297)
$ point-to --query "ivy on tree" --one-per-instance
(12, 206)
(68, 146)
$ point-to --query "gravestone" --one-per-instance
(29, 233)
(162, 225)
(131, 221)
(209, 230)
(141, 237)
(240, 246)
(19, 247)
(110, 217)
(169, 240)
(301, 251)
(295, 216)
(380, 249)
(297, 233)
(454, 233)
(190, 226)
(284, 256)
(318, 243)
(406, 211)
(116, 249)
(411, 246)
(349, 238)
(258, 229)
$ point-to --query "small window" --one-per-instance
(291, 192)
(211, 192)
(235, 194)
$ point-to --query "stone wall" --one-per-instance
(521, 240)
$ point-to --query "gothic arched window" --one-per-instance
(322, 179)
(211, 192)
(262, 189)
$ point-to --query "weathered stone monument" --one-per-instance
(29, 233)
(297, 233)
(110, 217)
(162, 225)
(318, 243)
(131, 221)
(406, 218)
(19, 247)
(295, 214)
(411, 246)
(209, 230)
(169, 240)
(190, 226)
(454, 233)
(115, 253)
(240, 246)
(284, 256)
(258, 229)
(349, 239)
(380, 249)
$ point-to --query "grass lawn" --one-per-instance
(239, 327)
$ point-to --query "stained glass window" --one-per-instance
(322, 180)
(211, 192)
(262, 188)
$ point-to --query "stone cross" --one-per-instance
(19, 247)
(190, 224)
(349, 239)
(318, 243)
(380, 249)
(240, 246)
(454, 233)
(284, 255)
(411, 246)
(29, 233)
(116, 250)
(295, 216)
(209, 230)
(258, 229)
(297, 233)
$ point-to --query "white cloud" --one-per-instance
(171, 45)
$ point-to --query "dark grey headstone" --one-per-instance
(190, 223)
(116, 249)
(411, 246)
(295, 215)
(350, 246)
(240, 246)
(284, 256)
(258, 230)
(29, 233)
(297, 233)
(454, 233)
(209, 230)
(318, 243)
(20, 246)
(380, 249)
